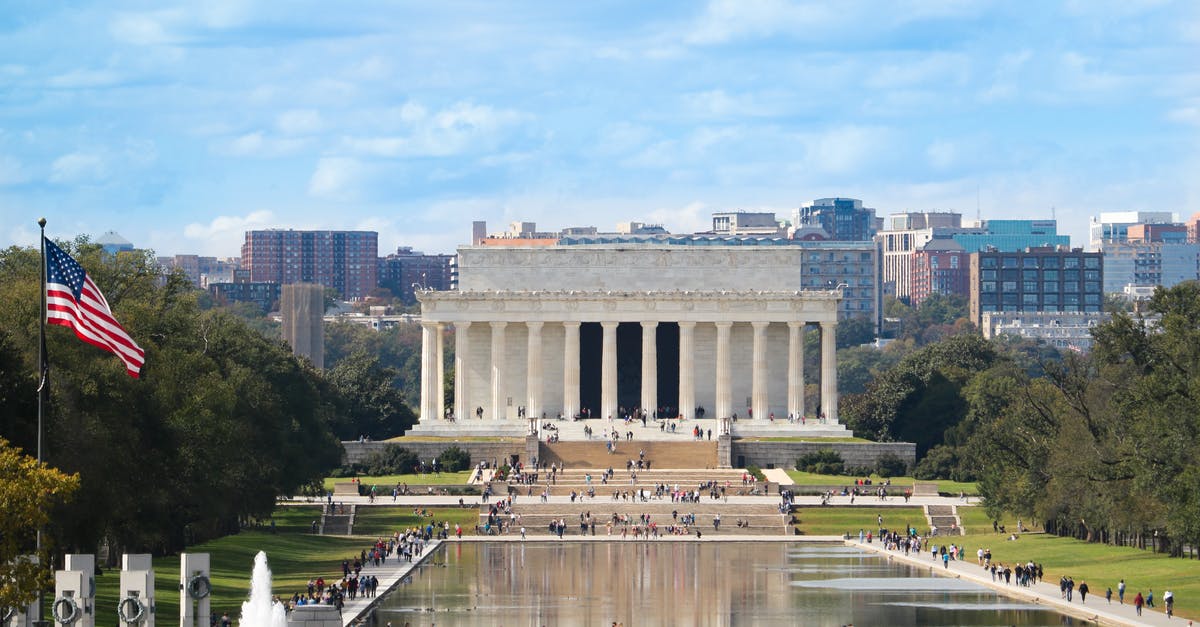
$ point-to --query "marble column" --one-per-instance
(462, 357)
(829, 394)
(427, 355)
(571, 369)
(687, 381)
(724, 393)
(649, 367)
(795, 376)
(608, 371)
(758, 386)
(439, 371)
(533, 371)
(499, 357)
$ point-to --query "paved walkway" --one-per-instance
(390, 575)
(474, 501)
(1097, 610)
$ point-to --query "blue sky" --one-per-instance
(182, 125)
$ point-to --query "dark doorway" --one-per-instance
(629, 365)
(668, 367)
(591, 350)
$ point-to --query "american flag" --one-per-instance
(72, 300)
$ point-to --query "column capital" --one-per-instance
(462, 325)
(687, 324)
(759, 325)
(609, 324)
(827, 324)
(498, 324)
(723, 324)
(796, 324)
(649, 324)
(534, 325)
(571, 324)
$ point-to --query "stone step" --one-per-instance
(661, 455)
(940, 510)
(654, 508)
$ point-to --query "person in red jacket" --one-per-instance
(1138, 602)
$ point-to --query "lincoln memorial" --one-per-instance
(670, 330)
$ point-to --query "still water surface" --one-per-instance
(718, 584)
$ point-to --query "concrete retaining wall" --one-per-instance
(784, 454)
(359, 452)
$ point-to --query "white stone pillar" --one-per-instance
(758, 386)
(438, 387)
(428, 352)
(649, 367)
(829, 394)
(499, 355)
(795, 380)
(533, 367)
(724, 392)
(571, 369)
(608, 371)
(462, 357)
(687, 380)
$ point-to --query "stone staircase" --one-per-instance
(762, 519)
(564, 482)
(661, 455)
(340, 523)
(945, 519)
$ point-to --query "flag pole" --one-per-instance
(43, 379)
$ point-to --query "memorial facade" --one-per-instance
(672, 330)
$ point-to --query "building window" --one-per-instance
(1050, 262)
(1030, 286)
(1050, 275)
(1029, 299)
(988, 286)
(1091, 286)
(1050, 286)
(988, 274)
(1070, 275)
(1029, 262)
(987, 262)
(1010, 262)
(1050, 299)
(954, 261)
(1091, 262)
(1010, 286)
(1070, 262)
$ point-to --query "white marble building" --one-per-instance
(716, 327)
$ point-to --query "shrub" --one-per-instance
(890, 465)
(756, 473)
(454, 459)
(823, 462)
(940, 462)
(393, 459)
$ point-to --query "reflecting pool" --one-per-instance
(688, 583)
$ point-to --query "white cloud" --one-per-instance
(259, 144)
(690, 218)
(1188, 114)
(11, 171)
(846, 149)
(726, 20)
(938, 69)
(143, 29)
(78, 167)
(299, 122)
(84, 79)
(464, 127)
(337, 177)
(224, 235)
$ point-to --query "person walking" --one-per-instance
(1169, 602)
(1108, 595)
(1121, 592)
(1083, 590)
(1150, 598)
(1138, 602)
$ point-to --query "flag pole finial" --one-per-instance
(42, 222)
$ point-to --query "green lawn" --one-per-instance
(835, 521)
(808, 478)
(1098, 564)
(976, 521)
(374, 521)
(294, 557)
(386, 482)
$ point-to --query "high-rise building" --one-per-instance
(941, 266)
(302, 307)
(112, 243)
(241, 289)
(1114, 225)
(1036, 280)
(844, 219)
(346, 261)
(405, 271)
(202, 271)
(905, 233)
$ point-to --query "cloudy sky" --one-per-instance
(181, 126)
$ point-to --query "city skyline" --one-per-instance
(183, 127)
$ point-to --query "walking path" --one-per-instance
(1097, 610)
(390, 575)
(474, 501)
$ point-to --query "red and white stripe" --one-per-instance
(92, 320)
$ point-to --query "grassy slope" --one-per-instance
(808, 478)
(383, 520)
(293, 553)
(386, 482)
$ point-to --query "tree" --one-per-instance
(29, 491)
(370, 403)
